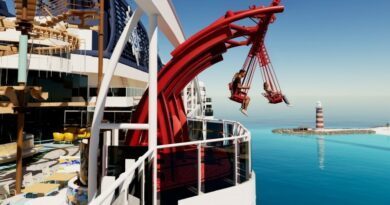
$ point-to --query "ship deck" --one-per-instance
(47, 158)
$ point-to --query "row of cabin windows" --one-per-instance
(60, 86)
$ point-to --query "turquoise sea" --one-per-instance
(300, 170)
(317, 170)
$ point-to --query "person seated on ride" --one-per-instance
(274, 95)
(237, 90)
(268, 90)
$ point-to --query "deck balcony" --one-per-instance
(216, 161)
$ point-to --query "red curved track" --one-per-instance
(191, 58)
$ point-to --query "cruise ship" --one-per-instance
(152, 136)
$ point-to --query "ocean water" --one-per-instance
(316, 170)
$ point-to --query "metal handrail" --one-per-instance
(138, 126)
(140, 162)
(122, 178)
(198, 142)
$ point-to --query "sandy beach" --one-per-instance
(382, 130)
(331, 131)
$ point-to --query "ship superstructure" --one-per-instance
(63, 60)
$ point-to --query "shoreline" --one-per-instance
(347, 131)
(382, 131)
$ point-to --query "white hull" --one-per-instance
(242, 194)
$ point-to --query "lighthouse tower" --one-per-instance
(319, 116)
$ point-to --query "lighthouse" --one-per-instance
(319, 116)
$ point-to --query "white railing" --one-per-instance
(124, 177)
(195, 111)
(238, 134)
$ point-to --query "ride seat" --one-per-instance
(237, 96)
(275, 98)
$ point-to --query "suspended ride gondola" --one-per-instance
(258, 58)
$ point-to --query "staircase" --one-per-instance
(61, 10)
(25, 13)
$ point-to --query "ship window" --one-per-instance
(112, 92)
(60, 86)
(119, 116)
(75, 118)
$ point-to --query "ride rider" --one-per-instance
(238, 87)
(271, 93)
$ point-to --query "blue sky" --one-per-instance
(334, 51)
(324, 48)
(318, 47)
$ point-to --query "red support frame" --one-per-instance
(198, 53)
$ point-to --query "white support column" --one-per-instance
(153, 69)
(250, 152)
(143, 183)
(185, 99)
(204, 129)
(199, 169)
(107, 181)
(106, 144)
(199, 94)
(101, 101)
(236, 155)
(115, 137)
(192, 96)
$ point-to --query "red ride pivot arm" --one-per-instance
(195, 55)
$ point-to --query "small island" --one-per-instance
(321, 130)
(310, 131)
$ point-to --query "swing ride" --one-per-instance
(198, 53)
(195, 55)
(258, 58)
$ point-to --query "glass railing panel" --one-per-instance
(177, 174)
(243, 162)
(229, 129)
(218, 167)
(195, 129)
(214, 131)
